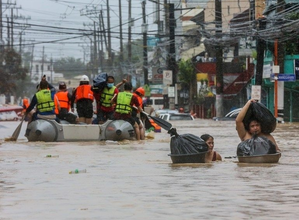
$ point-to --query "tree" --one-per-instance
(292, 46)
(70, 67)
(11, 70)
(187, 77)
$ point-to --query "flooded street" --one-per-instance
(132, 180)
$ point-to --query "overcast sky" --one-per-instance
(55, 24)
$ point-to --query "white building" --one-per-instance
(40, 68)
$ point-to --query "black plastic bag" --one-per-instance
(186, 144)
(100, 81)
(256, 146)
(263, 115)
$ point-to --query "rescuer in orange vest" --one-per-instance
(83, 96)
(139, 94)
(62, 102)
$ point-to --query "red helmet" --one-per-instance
(141, 91)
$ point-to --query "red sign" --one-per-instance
(157, 79)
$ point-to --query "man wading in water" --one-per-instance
(246, 132)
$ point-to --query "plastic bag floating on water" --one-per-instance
(186, 143)
(256, 146)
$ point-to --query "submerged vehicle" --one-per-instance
(267, 158)
(51, 131)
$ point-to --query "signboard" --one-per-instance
(171, 91)
(167, 77)
(201, 76)
(267, 71)
(284, 77)
(157, 78)
(296, 68)
(152, 41)
(275, 69)
(156, 89)
(256, 91)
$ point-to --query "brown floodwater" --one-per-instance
(132, 180)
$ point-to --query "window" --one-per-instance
(180, 117)
(159, 102)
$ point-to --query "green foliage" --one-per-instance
(70, 67)
(292, 46)
(11, 70)
(186, 71)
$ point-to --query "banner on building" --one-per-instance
(296, 68)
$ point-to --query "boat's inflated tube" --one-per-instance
(119, 130)
(41, 130)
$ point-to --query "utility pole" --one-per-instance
(120, 33)
(260, 48)
(95, 58)
(171, 59)
(1, 36)
(144, 27)
(11, 27)
(8, 32)
(20, 44)
(129, 33)
(101, 42)
(43, 60)
(104, 30)
(109, 34)
(279, 105)
(219, 60)
(51, 66)
(31, 66)
(1, 26)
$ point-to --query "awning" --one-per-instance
(199, 18)
(240, 20)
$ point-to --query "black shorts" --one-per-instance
(84, 108)
(131, 120)
(137, 120)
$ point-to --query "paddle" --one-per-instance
(164, 124)
(16, 133)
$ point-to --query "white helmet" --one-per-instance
(84, 78)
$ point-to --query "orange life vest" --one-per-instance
(139, 100)
(63, 99)
(25, 105)
(84, 92)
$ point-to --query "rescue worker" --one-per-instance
(105, 108)
(64, 98)
(25, 105)
(44, 102)
(139, 93)
(124, 104)
(83, 96)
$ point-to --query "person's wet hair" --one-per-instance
(43, 84)
(205, 137)
(128, 86)
(110, 77)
